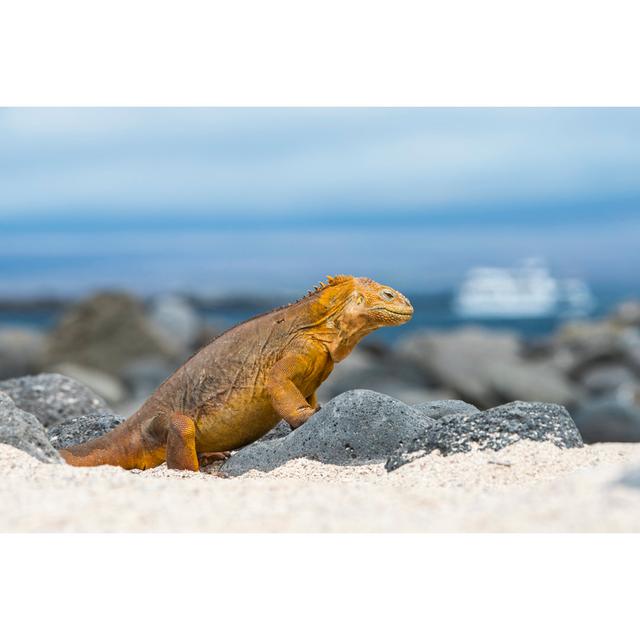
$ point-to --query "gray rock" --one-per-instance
(142, 377)
(458, 359)
(607, 378)
(627, 313)
(609, 420)
(78, 430)
(439, 408)
(176, 319)
(105, 385)
(492, 429)
(357, 427)
(281, 430)
(21, 352)
(106, 332)
(384, 372)
(485, 367)
(631, 347)
(530, 381)
(589, 342)
(412, 395)
(23, 431)
(52, 398)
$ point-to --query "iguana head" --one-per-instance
(378, 305)
(354, 307)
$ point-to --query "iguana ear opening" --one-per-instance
(360, 299)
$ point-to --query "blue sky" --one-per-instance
(489, 180)
(292, 162)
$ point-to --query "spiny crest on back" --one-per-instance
(331, 281)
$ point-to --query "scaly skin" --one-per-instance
(238, 387)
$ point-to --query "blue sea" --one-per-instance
(263, 264)
(432, 311)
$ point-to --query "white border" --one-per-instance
(315, 586)
(319, 53)
(334, 52)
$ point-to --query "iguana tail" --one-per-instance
(141, 444)
(125, 446)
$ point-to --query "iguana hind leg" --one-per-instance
(181, 443)
(213, 456)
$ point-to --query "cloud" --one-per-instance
(293, 162)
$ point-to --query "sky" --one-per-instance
(96, 197)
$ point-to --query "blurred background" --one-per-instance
(131, 237)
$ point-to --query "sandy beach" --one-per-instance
(527, 487)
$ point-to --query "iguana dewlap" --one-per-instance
(239, 386)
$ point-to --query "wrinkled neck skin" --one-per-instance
(346, 337)
(339, 330)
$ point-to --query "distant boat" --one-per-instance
(526, 291)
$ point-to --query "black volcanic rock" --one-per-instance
(493, 429)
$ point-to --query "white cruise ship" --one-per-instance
(527, 291)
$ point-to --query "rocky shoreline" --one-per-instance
(42, 413)
(468, 430)
(122, 348)
(364, 462)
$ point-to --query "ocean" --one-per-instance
(432, 312)
(263, 264)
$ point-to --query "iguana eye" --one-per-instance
(385, 294)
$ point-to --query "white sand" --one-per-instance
(528, 487)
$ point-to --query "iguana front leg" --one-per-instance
(312, 400)
(286, 398)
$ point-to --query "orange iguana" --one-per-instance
(239, 386)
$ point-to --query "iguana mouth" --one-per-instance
(395, 313)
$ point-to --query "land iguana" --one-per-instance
(239, 386)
